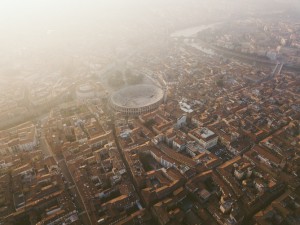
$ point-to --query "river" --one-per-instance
(193, 32)
(211, 51)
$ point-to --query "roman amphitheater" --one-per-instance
(137, 99)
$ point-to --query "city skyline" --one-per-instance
(139, 112)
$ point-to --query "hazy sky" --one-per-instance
(18, 14)
(44, 25)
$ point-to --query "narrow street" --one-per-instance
(125, 161)
(72, 187)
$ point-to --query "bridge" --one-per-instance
(277, 69)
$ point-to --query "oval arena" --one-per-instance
(137, 99)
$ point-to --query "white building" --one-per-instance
(205, 137)
(85, 91)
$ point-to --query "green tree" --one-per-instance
(220, 83)
(116, 80)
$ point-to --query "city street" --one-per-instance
(71, 185)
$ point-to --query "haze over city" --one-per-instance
(149, 112)
(55, 28)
